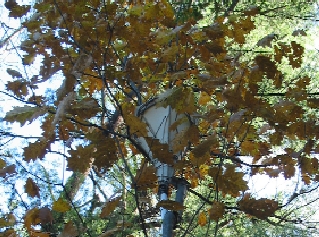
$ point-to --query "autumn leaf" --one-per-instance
(203, 170)
(203, 149)
(230, 181)
(85, 108)
(202, 219)
(217, 211)
(45, 215)
(61, 205)
(69, 230)
(261, 208)
(31, 188)
(160, 151)
(81, 159)
(204, 98)
(181, 99)
(14, 73)
(36, 150)
(109, 207)
(8, 170)
(7, 221)
(136, 126)
(2, 163)
(19, 11)
(31, 218)
(146, 177)
(170, 205)
(24, 114)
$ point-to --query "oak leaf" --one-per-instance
(10, 169)
(18, 87)
(61, 205)
(24, 114)
(2, 163)
(261, 208)
(109, 207)
(36, 150)
(81, 159)
(160, 151)
(69, 230)
(216, 211)
(32, 188)
(45, 215)
(31, 218)
(202, 219)
(170, 205)
(14, 73)
(136, 126)
(231, 182)
(203, 149)
(146, 177)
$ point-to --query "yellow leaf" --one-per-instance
(2, 163)
(202, 219)
(31, 188)
(3, 222)
(203, 170)
(136, 10)
(28, 59)
(61, 205)
(204, 98)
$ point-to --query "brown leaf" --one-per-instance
(266, 41)
(31, 188)
(36, 150)
(45, 215)
(146, 177)
(136, 126)
(160, 151)
(69, 230)
(261, 208)
(109, 207)
(230, 182)
(24, 114)
(170, 205)
(7, 170)
(204, 147)
(299, 33)
(31, 218)
(217, 211)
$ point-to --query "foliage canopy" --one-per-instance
(111, 59)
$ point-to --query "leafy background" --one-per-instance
(80, 69)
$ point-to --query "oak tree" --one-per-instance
(113, 62)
